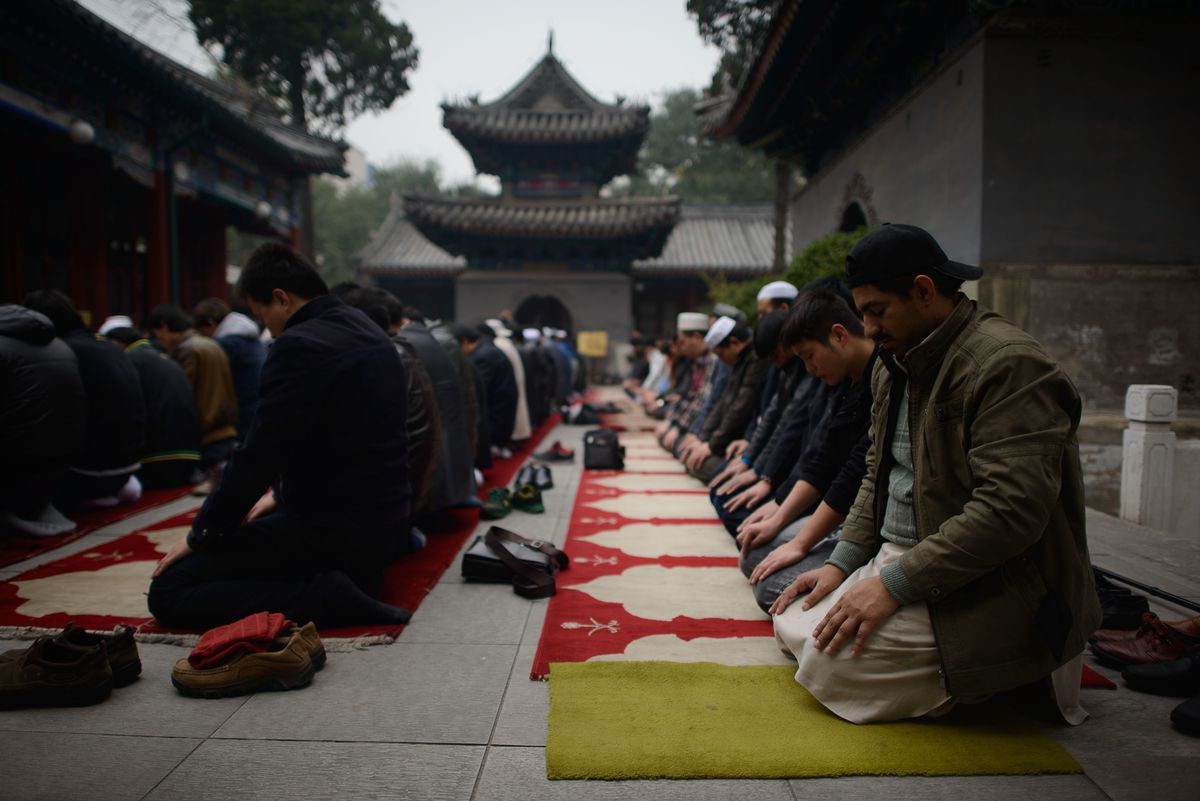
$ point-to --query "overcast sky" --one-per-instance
(634, 48)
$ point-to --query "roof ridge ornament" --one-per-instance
(550, 43)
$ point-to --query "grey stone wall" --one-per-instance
(922, 165)
(596, 301)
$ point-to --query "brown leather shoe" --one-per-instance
(312, 642)
(1150, 622)
(121, 649)
(48, 673)
(285, 669)
(1160, 644)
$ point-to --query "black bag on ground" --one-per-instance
(504, 556)
(602, 451)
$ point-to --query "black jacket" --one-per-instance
(424, 423)
(500, 385)
(42, 406)
(834, 461)
(732, 412)
(329, 431)
(115, 431)
(453, 483)
(172, 421)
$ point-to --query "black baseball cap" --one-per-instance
(894, 250)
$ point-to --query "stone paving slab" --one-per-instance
(402, 693)
(469, 612)
(526, 704)
(949, 788)
(313, 771)
(38, 766)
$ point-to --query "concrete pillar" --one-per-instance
(1148, 455)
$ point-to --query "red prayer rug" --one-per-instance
(15, 549)
(653, 575)
(106, 585)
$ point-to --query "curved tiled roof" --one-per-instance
(735, 240)
(398, 245)
(573, 219)
(546, 127)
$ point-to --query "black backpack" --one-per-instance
(601, 451)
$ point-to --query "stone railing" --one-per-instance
(1160, 475)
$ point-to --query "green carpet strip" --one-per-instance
(664, 720)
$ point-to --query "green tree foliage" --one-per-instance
(677, 159)
(825, 255)
(345, 220)
(324, 61)
(736, 27)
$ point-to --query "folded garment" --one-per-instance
(252, 634)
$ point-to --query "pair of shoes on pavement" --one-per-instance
(557, 453)
(536, 474)
(289, 663)
(501, 501)
(73, 668)
(1153, 642)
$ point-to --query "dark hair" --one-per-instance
(740, 332)
(486, 330)
(467, 333)
(813, 316)
(833, 283)
(167, 314)
(412, 313)
(901, 286)
(213, 309)
(779, 304)
(368, 300)
(58, 307)
(274, 266)
(766, 333)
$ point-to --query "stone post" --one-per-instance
(1148, 455)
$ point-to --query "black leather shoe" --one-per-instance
(1179, 678)
(524, 476)
(1186, 716)
(541, 477)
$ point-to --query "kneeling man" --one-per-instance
(962, 568)
(329, 436)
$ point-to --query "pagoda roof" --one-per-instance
(549, 107)
(729, 240)
(582, 219)
(70, 29)
(399, 246)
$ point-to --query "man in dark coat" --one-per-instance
(330, 435)
(116, 412)
(454, 483)
(42, 413)
(499, 382)
(171, 456)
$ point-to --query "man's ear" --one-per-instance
(839, 334)
(282, 297)
(923, 285)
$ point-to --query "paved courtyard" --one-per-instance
(449, 712)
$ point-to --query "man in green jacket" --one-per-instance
(963, 568)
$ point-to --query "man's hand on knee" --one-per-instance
(178, 551)
(817, 583)
(856, 614)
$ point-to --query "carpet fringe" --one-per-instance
(339, 645)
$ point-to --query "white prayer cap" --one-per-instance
(498, 327)
(560, 333)
(116, 321)
(778, 290)
(691, 321)
(720, 329)
(531, 334)
(547, 331)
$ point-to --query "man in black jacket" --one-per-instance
(42, 414)
(330, 435)
(498, 378)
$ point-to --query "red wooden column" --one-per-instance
(158, 285)
(89, 247)
(215, 284)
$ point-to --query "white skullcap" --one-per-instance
(778, 290)
(116, 321)
(720, 329)
(531, 334)
(691, 321)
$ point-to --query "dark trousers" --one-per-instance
(277, 564)
(731, 520)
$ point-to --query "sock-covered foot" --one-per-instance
(344, 603)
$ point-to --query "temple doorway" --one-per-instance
(540, 311)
